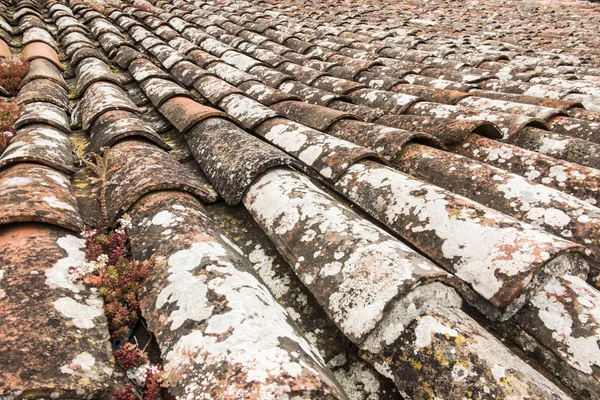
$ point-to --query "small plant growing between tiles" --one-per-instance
(9, 112)
(119, 278)
(12, 72)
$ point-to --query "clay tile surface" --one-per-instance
(38, 297)
(40, 144)
(113, 126)
(43, 90)
(137, 168)
(36, 193)
(91, 70)
(42, 68)
(317, 117)
(101, 97)
(184, 112)
(214, 138)
(42, 112)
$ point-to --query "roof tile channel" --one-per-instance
(66, 335)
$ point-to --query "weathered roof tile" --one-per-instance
(136, 168)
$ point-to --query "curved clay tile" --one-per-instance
(574, 179)
(252, 335)
(125, 55)
(230, 73)
(40, 308)
(387, 142)
(202, 58)
(74, 41)
(326, 154)
(40, 144)
(182, 45)
(515, 261)
(305, 75)
(377, 81)
(136, 168)
(559, 146)
(111, 41)
(184, 113)
(247, 111)
(43, 90)
(215, 141)
(264, 94)
(574, 352)
(215, 89)
(587, 130)
(36, 193)
(82, 54)
(269, 76)
(363, 112)
(91, 70)
(240, 61)
(312, 115)
(395, 103)
(43, 113)
(187, 73)
(66, 24)
(167, 56)
(481, 103)
(42, 68)
(449, 131)
(310, 94)
(114, 126)
(444, 352)
(443, 96)
(563, 215)
(509, 124)
(358, 268)
(99, 26)
(101, 97)
(36, 34)
(32, 21)
(161, 90)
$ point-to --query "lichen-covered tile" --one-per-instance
(54, 340)
(231, 158)
(574, 179)
(114, 126)
(502, 259)
(40, 144)
(101, 97)
(37, 193)
(353, 268)
(220, 331)
(40, 112)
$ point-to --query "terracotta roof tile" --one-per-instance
(184, 112)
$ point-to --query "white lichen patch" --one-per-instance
(267, 270)
(81, 315)
(570, 309)
(58, 274)
(56, 203)
(359, 381)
